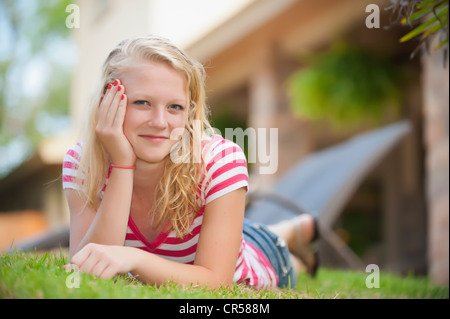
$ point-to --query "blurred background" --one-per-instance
(315, 69)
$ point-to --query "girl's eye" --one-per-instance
(176, 107)
(141, 102)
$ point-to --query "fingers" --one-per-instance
(89, 260)
(81, 255)
(107, 100)
(83, 260)
(109, 128)
(94, 260)
(99, 268)
(108, 272)
(120, 113)
(111, 101)
(116, 101)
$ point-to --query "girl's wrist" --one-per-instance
(123, 166)
(135, 258)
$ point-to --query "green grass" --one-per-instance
(31, 275)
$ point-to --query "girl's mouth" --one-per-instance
(155, 138)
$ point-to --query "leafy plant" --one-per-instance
(428, 17)
(344, 85)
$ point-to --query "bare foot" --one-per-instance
(300, 246)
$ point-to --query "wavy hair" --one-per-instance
(176, 201)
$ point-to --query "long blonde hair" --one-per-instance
(176, 200)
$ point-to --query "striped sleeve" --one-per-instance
(226, 168)
(70, 164)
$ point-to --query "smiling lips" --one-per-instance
(155, 138)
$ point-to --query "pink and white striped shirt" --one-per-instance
(226, 171)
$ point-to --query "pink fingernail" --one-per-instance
(119, 88)
(123, 96)
(116, 82)
(109, 86)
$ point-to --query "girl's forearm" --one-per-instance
(111, 219)
(153, 269)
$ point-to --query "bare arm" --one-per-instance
(215, 261)
(108, 225)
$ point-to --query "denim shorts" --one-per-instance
(274, 248)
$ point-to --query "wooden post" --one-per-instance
(435, 79)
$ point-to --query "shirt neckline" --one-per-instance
(150, 245)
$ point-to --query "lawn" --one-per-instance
(31, 275)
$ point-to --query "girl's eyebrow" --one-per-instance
(146, 96)
(180, 101)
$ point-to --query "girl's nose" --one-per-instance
(158, 118)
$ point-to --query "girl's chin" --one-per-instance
(153, 159)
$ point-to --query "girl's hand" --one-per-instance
(109, 127)
(105, 261)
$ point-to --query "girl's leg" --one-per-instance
(298, 234)
(300, 228)
(297, 264)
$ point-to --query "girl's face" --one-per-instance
(156, 105)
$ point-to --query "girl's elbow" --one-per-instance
(212, 280)
(218, 282)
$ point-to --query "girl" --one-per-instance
(151, 194)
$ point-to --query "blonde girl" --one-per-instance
(150, 194)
